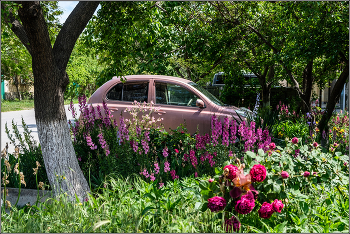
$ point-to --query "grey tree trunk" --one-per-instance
(50, 81)
(60, 161)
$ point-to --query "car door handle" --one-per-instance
(160, 112)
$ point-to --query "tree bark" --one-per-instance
(50, 81)
(334, 96)
(16, 83)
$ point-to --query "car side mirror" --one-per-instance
(200, 103)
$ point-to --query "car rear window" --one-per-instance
(129, 92)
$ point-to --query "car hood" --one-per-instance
(235, 111)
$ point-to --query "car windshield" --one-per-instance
(206, 93)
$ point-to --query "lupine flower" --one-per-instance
(173, 174)
(233, 136)
(165, 152)
(216, 204)
(156, 168)
(193, 158)
(284, 174)
(145, 146)
(166, 166)
(103, 143)
(232, 224)
(72, 109)
(225, 134)
(266, 210)
(90, 143)
(134, 145)
(277, 206)
(145, 173)
(151, 177)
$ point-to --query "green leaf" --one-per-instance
(204, 207)
(261, 152)
(218, 171)
(281, 228)
(100, 223)
(148, 208)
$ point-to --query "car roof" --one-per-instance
(158, 77)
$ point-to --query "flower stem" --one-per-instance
(19, 181)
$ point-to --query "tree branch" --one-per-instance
(216, 63)
(69, 34)
(17, 27)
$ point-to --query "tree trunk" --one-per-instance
(16, 83)
(307, 88)
(334, 96)
(50, 81)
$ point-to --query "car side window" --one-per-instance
(129, 92)
(171, 94)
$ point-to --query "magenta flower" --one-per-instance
(272, 146)
(211, 180)
(232, 224)
(284, 174)
(156, 168)
(165, 152)
(79, 159)
(173, 174)
(315, 144)
(216, 204)
(246, 204)
(161, 185)
(277, 206)
(306, 174)
(176, 151)
(232, 171)
(166, 166)
(295, 140)
(152, 178)
(258, 173)
(266, 210)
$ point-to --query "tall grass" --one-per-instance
(133, 205)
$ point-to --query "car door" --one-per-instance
(122, 95)
(177, 104)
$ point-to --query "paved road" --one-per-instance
(29, 119)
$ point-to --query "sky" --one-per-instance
(67, 7)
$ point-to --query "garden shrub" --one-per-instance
(26, 154)
(137, 146)
(271, 179)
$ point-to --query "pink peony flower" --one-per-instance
(235, 192)
(284, 174)
(277, 206)
(315, 144)
(232, 224)
(306, 174)
(211, 180)
(246, 204)
(266, 210)
(216, 204)
(232, 171)
(295, 140)
(272, 146)
(258, 173)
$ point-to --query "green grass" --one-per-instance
(133, 205)
(16, 105)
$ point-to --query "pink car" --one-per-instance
(178, 100)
